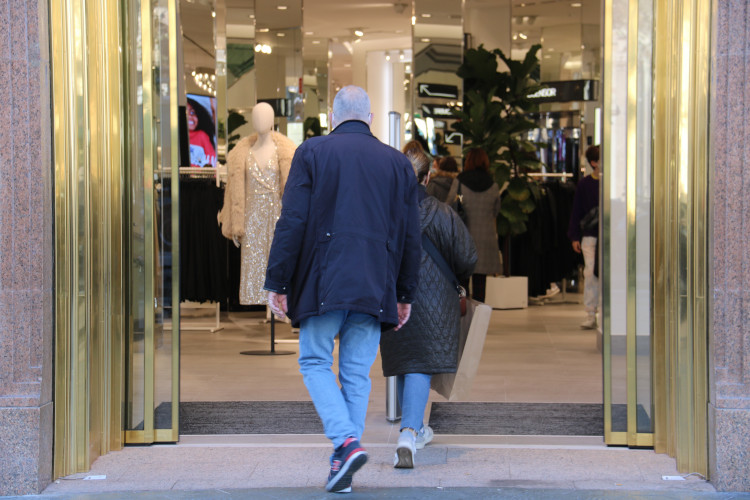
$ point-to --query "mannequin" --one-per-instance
(257, 167)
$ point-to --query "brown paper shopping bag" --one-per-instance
(454, 386)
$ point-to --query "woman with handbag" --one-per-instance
(428, 343)
(477, 195)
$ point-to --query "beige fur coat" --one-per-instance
(232, 215)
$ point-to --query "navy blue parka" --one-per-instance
(348, 236)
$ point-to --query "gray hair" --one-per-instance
(351, 103)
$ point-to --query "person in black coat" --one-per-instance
(428, 343)
(344, 263)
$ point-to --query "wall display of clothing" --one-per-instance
(544, 253)
(203, 249)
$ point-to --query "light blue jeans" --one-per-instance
(413, 392)
(342, 410)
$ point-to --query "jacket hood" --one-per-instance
(442, 173)
(476, 180)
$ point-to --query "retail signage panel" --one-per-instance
(436, 111)
(567, 91)
(438, 90)
(454, 138)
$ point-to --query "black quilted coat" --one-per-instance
(428, 343)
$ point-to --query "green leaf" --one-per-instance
(518, 189)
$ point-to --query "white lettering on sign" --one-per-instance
(549, 92)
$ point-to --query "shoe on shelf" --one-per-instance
(345, 461)
(424, 436)
(589, 324)
(405, 450)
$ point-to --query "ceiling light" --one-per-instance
(316, 42)
(281, 7)
(413, 20)
(426, 15)
(523, 36)
(263, 48)
(262, 30)
(515, 37)
(387, 56)
(280, 34)
(251, 16)
(576, 4)
(213, 13)
(309, 33)
(401, 55)
(425, 40)
(359, 32)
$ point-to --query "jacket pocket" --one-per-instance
(354, 270)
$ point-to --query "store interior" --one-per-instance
(295, 57)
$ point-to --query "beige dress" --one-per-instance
(262, 210)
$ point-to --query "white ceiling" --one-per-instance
(386, 25)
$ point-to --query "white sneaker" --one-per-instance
(405, 450)
(589, 324)
(424, 436)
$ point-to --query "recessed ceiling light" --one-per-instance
(213, 14)
(576, 4)
(523, 36)
(281, 7)
(425, 40)
(262, 30)
(426, 15)
(316, 42)
(387, 56)
(359, 32)
(413, 20)
(251, 16)
(280, 34)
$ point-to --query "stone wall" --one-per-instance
(729, 357)
(26, 249)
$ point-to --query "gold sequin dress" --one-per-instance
(262, 210)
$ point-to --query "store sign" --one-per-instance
(436, 111)
(567, 91)
(438, 90)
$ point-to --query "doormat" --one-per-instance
(249, 417)
(524, 419)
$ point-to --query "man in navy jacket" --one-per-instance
(345, 261)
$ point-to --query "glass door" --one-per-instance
(152, 387)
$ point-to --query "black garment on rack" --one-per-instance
(203, 254)
(544, 253)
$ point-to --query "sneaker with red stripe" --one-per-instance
(345, 461)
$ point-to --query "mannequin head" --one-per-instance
(263, 118)
(351, 103)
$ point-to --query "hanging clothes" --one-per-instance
(203, 256)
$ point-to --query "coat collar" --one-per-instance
(352, 126)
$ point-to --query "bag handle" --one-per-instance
(433, 252)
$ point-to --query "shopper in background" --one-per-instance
(428, 343)
(480, 197)
(442, 178)
(583, 232)
(345, 262)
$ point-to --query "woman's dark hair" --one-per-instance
(477, 159)
(592, 154)
(420, 162)
(205, 122)
(448, 164)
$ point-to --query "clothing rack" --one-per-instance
(184, 325)
(550, 174)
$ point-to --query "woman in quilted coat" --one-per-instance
(428, 342)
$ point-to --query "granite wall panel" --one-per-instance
(729, 408)
(26, 249)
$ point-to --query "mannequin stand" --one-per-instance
(273, 351)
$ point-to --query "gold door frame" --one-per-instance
(677, 115)
(93, 155)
